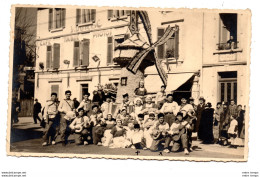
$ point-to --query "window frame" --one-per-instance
(53, 19)
(79, 22)
(118, 15)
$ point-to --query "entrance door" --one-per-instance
(227, 86)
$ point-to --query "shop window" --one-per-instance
(227, 86)
(57, 18)
(171, 48)
(227, 31)
(81, 53)
(85, 16)
(112, 43)
(117, 14)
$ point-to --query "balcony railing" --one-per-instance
(227, 45)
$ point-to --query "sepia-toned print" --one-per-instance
(129, 83)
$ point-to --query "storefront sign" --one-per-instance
(71, 38)
(102, 34)
(82, 28)
(44, 43)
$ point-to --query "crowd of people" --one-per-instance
(154, 123)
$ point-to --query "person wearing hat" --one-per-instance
(85, 104)
(205, 132)
(191, 101)
(50, 115)
(66, 105)
(106, 107)
(36, 110)
(170, 109)
(160, 97)
(200, 108)
(126, 104)
(138, 107)
(178, 134)
(149, 106)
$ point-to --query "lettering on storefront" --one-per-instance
(89, 27)
(44, 43)
(228, 57)
(71, 38)
(102, 34)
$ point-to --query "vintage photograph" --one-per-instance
(129, 83)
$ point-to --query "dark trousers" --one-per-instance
(156, 143)
(177, 145)
(64, 129)
(79, 137)
(51, 130)
(169, 118)
(97, 134)
(36, 117)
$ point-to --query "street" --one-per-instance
(26, 137)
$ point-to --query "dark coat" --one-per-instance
(205, 132)
(200, 108)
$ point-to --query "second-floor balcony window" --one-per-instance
(117, 14)
(227, 31)
(85, 16)
(57, 18)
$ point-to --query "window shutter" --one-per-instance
(78, 15)
(127, 12)
(48, 57)
(176, 44)
(55, 89)
(76, 54)
(126, 36)
(93, 15)
(109, 50)
(85, 52)
(63, 17)
(109, 14)
(56, 56)
(160, 48)
(50, 18)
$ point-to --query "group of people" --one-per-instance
(160, 125)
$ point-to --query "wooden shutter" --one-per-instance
(55, 89)
(176, 44)
(109, 50)
(76, 54)
(78, 16)
(63, 17)
(127, 12)
(160, 48)
(109, 14)
(48, 57)
(93, 15)
(85, 52)
(126, 36)
(56, 56)
(50, 19)
(57, 18)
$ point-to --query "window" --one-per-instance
(84, 89)
(57, 18)
(55, 89)
(81, 53)
(171, 48)
(227, 31)
(85, 16)
(117, 14)
(227, 86)
(53, 58)
(116, 40)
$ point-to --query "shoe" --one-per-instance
(133, 147)
(186, 152)
(53, 142)
(145, 148)
(190, 149)
(85, 143)
(99, 144)
(63, 143)
(166, 150)
(44, 144)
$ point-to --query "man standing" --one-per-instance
(36, 110)
(66, 106)
(218, 120)
(191, 101)
(85, 104)
(170, 109)
(200, 108)
(232, 109)
(51, 118)
(160, 97)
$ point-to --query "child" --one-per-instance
(232, 131)
(110, 123)
(118, 136)
(140, 120)
(149, 122)
(138, 138)
(77, 126)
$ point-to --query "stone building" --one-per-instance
(76, 48)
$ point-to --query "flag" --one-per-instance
(95, 58)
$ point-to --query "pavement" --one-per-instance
(26, 137)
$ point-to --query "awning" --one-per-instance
(153, 83)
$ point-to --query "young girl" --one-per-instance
(148, 123)
(138, 107)
(110, 123)
(232, 131)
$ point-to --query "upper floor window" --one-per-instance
(57, 18)
(227, 31)
(53, 56)
(117, 14)
(81, 53)
(171, 48)
(85, 16)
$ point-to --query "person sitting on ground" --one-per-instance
(110, 123)
(140, 120)
(159, 132)
(137, 140)
(85, 104)
(122, 115)
(178, 134)
(77, 126)
(148, 123)
(138, 107)
(149, 106)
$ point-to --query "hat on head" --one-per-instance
(36, 99)
(87, 94)
(136, 126)
(125, 95)
(152, 114)
(136, 99)
(202, 98)
(208, 105)
(180, 114)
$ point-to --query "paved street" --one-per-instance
(26, 137)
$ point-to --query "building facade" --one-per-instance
(75, 50)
